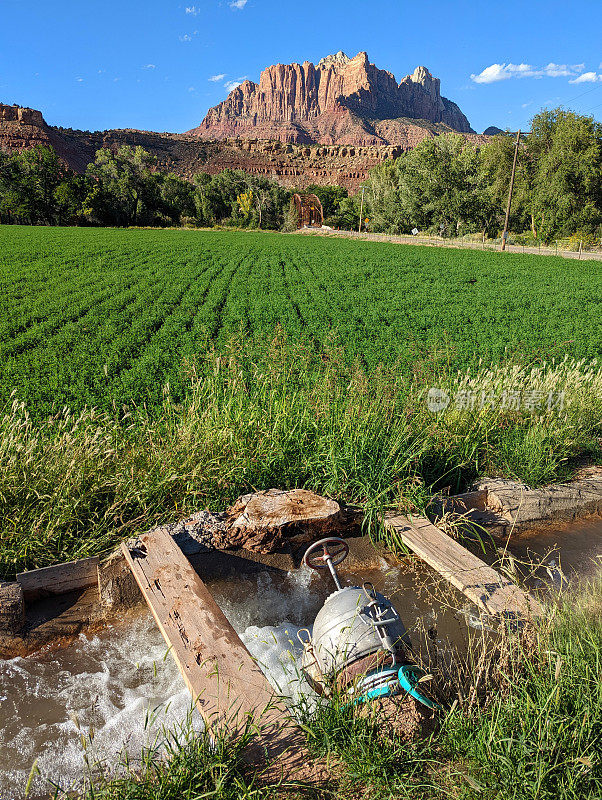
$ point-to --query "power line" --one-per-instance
(587, 91)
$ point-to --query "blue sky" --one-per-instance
(160, 64)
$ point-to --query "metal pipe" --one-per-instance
(333, 571)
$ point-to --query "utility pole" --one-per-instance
(505, 233)
(363, 188)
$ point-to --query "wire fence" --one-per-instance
(469, 242)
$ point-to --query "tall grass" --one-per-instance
(538, 735)
(74, 485)
(189, 765)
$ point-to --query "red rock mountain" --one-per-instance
(339, 101)
(355, 115)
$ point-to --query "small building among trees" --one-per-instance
(308, 210)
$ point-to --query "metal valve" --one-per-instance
(327, 553)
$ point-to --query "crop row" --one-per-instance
(107, 317)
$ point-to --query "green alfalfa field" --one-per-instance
(147, 373)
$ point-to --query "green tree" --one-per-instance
(177, 198)
(566, 149)
(42, 172)
(238, 198)
(383, 199)
(14, 200)
(127, 184)
(434, 186)
(28, 181)
(438, 184)
(347, 214)
(70, 197)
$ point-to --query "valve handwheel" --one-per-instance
(330, 549)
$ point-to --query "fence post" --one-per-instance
(580, 247)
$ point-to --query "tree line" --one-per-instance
(449, 186)
(124, 188)
(445, 185)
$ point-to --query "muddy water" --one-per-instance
(117, 691)
(559, 555)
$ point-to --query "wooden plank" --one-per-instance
(490, 591)
(227, 685)
(59, 579)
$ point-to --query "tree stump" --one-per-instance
(262, 522)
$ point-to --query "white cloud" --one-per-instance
(193, 10)
(217, 78)
(186, 38)
(240, 4)
(149, 66)
(561, 70)
(498, 72)
(502, 72)
(587, 77)
(79, 80)
(527, 104)
(231, 85)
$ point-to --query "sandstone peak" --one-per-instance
(342, 100)
(421, 75)
(338, 59)
(27, 116)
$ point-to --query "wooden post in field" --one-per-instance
(505, 233)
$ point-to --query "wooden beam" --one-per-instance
(227, 685)
(490, 591)
(59, 579)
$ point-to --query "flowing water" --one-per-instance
(115, 692)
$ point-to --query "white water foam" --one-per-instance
(87, 704)
(115, 693)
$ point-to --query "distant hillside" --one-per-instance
(302, 125)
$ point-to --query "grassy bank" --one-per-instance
(526, 727)
(75, 484)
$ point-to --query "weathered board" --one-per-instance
(59, 579)
(227, 685)
(490, 591)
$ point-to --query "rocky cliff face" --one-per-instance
(339, 101)
(21, 128)
(26, 116)
(292, 164)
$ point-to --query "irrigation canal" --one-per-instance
(80, 708)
